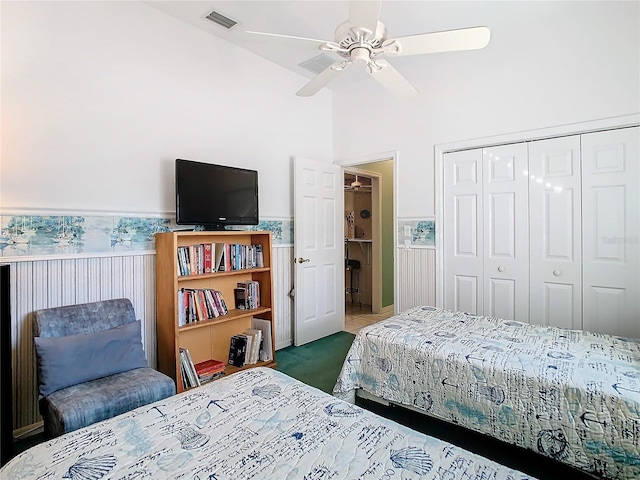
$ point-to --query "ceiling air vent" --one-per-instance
(221, 20)
(318, 64)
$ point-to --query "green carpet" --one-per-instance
(317, 363)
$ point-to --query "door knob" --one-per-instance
(303, 260)
(557, 273)
(501, 268)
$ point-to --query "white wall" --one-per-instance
(99, 98)
(547, 64)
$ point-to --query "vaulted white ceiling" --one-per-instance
(319, 19)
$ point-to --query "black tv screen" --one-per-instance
(215, 195)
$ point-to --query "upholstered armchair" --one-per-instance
(91, 365)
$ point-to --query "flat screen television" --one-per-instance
(215, 196)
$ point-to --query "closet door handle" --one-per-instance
(501, 268)
(303, 260)
(557, 273)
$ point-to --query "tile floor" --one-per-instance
(357, 317)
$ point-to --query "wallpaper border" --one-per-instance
(417, 232)
(81, 234)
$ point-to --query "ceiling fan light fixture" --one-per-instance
(360, 56)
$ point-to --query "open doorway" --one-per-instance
(369, 241)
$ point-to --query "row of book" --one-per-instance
(253, 345)
(196, 304)
(195, 375)
(218, 257)
(247, 295)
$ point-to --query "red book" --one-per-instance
(207, 258)
(209, 366)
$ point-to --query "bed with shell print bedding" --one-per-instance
(254, 424)
(568, 394)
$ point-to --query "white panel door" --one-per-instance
(611, 231)
(506, 232)
(318, 250)
(555, 232)
(463, 237)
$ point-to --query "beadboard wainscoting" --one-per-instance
(416, 277)
(282, 268)
(53, 282)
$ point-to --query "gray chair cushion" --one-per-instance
(80, 405)
(83, 318)
(66, 361)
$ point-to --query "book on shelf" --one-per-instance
(196, 304)
(192, 260)
(182, 320)
(247, 295)
(259, 256)
(256, 344)
(210, 370)
(191, 317)
(266, 352)
(183, 261)
(208, 258)
(237, 350)
(218, 253)
(201, 310)
(222, 302)
(224, 264)
(215, 311)
(188, 369)
(247, 350)
(219, 302)
(210, 366)
(197, 259)
(192, 369)
(241, 296)
(211, 377)
(203, 258)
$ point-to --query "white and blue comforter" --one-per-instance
(568, 394)
(255, 424)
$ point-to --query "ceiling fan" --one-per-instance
(356, 185)
(362, 41)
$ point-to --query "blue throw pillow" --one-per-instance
(74, 359)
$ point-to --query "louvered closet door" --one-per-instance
(463, 238)
(506, 232)
(611, 231)
(555, 232)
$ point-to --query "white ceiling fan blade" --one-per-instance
(391, 79)
(292, 37)
(448, 41)
(317, 83)
(364, 14)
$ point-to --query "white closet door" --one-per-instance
(611, 233)
(555, 232)
(463, 242)
(506, 232)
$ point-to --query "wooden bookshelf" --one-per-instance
(207, 339)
